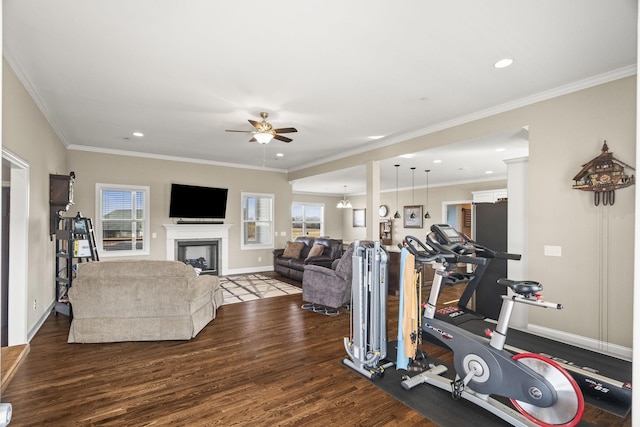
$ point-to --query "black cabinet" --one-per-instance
(490, 230)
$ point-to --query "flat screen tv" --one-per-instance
(192, 201)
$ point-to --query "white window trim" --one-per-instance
(253, 246)
(146, 240)
(322, 205)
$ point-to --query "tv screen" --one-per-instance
(192, 201)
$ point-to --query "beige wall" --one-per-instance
(27, 134)
(594, 276)
(92, 168)
(437, 195)
(332, 216)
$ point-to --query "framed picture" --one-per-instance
(359, 217)
(412, 216)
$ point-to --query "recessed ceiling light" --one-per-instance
(376, 137)
(437, 161)
(279, 155)
(138, 134)
(503, 63)
(498, 150)
(408, 156)
(488, 172)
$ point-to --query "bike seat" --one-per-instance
(525, 288)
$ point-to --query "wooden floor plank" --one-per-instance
(12, 358)
(264, 362)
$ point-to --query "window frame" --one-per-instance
(304, 205)
(270, 244)
(146, 220)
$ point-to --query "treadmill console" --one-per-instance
(447, 234)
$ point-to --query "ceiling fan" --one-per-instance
(264, 132)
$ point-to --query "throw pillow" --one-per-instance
(293, 249)
(316, 250)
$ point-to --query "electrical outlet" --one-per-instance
(35, 304)
(553, 250)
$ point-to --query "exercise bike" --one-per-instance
(541, 390)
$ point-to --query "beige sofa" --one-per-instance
(141, 301)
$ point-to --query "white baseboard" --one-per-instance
(40, 322)
(609, 349)
(249, 270)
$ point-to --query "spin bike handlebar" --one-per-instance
(435, 252)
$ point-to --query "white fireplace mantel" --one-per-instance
(199, 232)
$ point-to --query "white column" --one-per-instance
(517, 229)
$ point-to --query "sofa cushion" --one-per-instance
(345, 266)
(293, 249)
(333, 247)
(316, 250)
(307, 240)
(136, 269)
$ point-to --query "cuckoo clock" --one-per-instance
(603, 175)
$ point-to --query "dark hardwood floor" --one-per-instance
(264, 362)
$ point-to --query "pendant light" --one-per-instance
(344, 203)
(427, 205)
(397, 214)
(413, 189)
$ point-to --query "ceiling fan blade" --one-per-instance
(282, 138)
(286, 130)
(255, 124)
(253, 139)
(243, 131)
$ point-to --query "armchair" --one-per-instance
(328, 289)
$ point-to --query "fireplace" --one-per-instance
(199, 233)
(201, 254)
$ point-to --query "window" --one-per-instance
(257, 221)
(122, 228)
(307, 220)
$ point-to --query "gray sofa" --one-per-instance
(293, 267)
(141, 301)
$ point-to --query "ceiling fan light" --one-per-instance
(340, 204)
(263, 137)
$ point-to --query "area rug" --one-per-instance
(254, 286)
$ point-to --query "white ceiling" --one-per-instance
(183, 71)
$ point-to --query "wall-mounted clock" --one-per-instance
(603, 174)
(383, 211)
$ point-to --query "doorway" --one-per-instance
(15, 174)
(458, 214)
